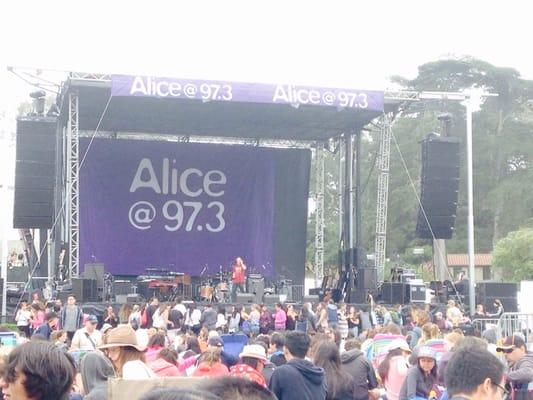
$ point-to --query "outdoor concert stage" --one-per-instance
(190, 174)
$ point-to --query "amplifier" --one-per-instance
(255, 276)
(245, 298)
(393, 292)
(122, 287)
(415, 293)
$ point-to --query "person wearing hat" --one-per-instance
(520, 363)
(393, 369)
(87, 338)
(354, 362)
(126, 354)
(253, 360)
(421, 378)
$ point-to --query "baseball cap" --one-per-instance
(215, 341)
(92, 318)
(510, 343)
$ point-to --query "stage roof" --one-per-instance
(219, 108)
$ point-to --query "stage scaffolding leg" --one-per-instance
(73, 186)
(319, 212)
(382, 197)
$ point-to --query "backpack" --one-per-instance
(396, 318)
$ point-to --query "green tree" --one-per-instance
(513, 255)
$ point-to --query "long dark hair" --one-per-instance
(383, 368)
(338, 381)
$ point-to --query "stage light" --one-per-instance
(38, 101)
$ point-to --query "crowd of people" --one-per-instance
(317, 351)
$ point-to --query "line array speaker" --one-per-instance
(35, 172)
(439, 187)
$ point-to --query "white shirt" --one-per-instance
(136, 369)
(194, 318)
(80, 341)
(221, 321)
(23, 317)
(181, 308)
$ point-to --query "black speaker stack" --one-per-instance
(35, 173)
(487, 292)
(393, 293)
(85, 289)
(256, 286)
(439, 187)
(96, 271)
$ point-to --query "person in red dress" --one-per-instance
(238, 276)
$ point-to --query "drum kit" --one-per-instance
(216, 289)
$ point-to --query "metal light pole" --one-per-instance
(470, 193)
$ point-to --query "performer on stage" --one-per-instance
(238, 277)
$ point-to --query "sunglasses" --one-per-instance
(508, 351)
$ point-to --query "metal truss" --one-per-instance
(382, 196)
(90, 76)
(319, 212)
(73, 185)
(272, 143)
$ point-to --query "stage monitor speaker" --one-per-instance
(271, 299)
(415, 293)
(85, 290)
(439, 187)
(121, 298)
(256, 286)
(393, 293)
(121, 287)
(133, 298)
(18, 274)
(243, 298)
(35, 172)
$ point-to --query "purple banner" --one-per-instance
(186, 207)
(207, 90)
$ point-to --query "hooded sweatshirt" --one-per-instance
(95, 370)
(521, 377)
(355, 363)
(298, 380)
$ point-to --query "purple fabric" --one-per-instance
(207, 90)
(128, 238)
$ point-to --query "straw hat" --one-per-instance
(254, 351)
(122, 336)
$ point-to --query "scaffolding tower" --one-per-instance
(382, 196)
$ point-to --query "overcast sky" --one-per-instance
(345, 44)
(338, 44)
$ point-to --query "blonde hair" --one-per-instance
(211, 356)
(430, 331)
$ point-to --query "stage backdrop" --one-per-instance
(193, 208)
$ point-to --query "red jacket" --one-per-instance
(164, 368)
(245, 371)
(217, 369)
